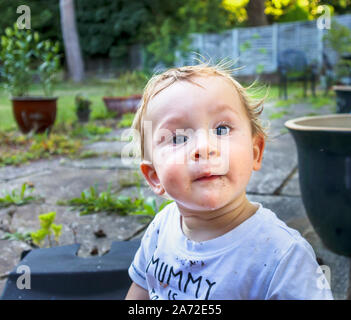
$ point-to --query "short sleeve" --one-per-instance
(298, 276)
(136, 269)
(144, 253)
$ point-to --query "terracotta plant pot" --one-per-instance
(324, 159)
(343, 98)
(34, 113)
(122, 105)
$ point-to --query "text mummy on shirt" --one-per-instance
(161, 269)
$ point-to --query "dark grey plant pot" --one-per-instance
(324, 159)
(83, 115)
(343, 98)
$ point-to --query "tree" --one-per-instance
(255, 13)
(71, 40)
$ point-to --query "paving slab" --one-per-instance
(10, 252)
(106, 147)
(279, 160)
(116, 133)
(93, 230)
(63, 183)
(292, 187)
(101, 163)
(294, 110)
(34, 168)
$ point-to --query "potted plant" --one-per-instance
(339, 39)
(324, 161)
(25, 59)
(130, 83)
(82, 108)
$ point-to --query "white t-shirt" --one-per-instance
(262, 258)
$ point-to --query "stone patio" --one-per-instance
(275, 186)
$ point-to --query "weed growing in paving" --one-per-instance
(18, 236)
(126, 121)
(17, 198)
(91, 201)
(16, 149)
(48, 228)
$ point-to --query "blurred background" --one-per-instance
(119, 35)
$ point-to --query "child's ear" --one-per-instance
(258, 148)
(151, 177)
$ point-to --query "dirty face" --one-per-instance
(203, 151)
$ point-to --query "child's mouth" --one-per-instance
(208, 178)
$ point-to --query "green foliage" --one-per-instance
(82, 103)
(47, 145)
(131, 82)
(127, 120)
(91, 201)
(277, 115)
(16, 150)
(88, 131)
(17, 236)
(16, 197)
(23, 57)
(47, 229)
(104, 114)
(45, 16)
(110, 28)
(164, 44)
(291, 10)
(339, 39)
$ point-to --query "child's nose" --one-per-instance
(204, 150)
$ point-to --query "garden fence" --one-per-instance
(257, 48)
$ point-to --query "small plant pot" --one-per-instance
(36, 114)
(122, 105)
(324, 160)
(343, 98)
(83, 115)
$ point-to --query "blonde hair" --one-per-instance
(159, 82)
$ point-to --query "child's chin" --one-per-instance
(210, 204)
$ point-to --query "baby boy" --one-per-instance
(200, 140)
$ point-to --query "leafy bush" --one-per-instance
(23, 57)
(131, 82)
(82, 103)
(339, 39)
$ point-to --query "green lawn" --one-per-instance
(95, 90)
(66, 91)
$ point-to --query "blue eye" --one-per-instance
(222, 130)
(178, 139)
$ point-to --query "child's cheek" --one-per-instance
(174, 180)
